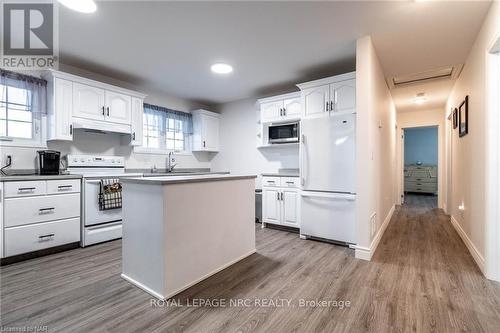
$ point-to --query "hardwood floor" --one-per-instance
(421, 279)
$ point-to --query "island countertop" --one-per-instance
(166, 180)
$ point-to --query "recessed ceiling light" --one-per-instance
(221, 68)
(420, 99)
(82, 6)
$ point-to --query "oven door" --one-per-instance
(92, 215)
(284, 133)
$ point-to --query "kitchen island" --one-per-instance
(180, 230)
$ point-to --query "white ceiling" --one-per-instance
(169, 46)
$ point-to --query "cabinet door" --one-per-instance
(271, 205)
(343, 95)
(210, 133)
(137, 122)
(118, 107)
(292, 107)
(315, 100)
(271, 111)
(61, 122)
(290, 208)
(88, 102)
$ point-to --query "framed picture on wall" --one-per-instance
(455, 118)
(463, 117)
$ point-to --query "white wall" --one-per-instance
(469, 158)
(238, 142)
(434, 117)
(111, 144)
(376, 146)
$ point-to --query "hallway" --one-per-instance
(421, 279)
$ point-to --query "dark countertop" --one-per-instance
(167, 180)
(20, 177)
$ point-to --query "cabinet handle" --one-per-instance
(22, 189)
(331, 105)
(284, 111)
(278, 196)
(103, 110)
(281, 196)
(291, 183)
(70, 129)
(64, 187)
(107, 110)
(43, 210)
(203, 144)
(133, 136)
(46, 236)
(327, 105)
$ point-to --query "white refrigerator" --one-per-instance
(328, 178)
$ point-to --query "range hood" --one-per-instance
(100, 126)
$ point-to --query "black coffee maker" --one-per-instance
(48, 162)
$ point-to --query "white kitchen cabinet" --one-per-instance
(205, 131)
(88, 102)
(329, 96)
(1, 220)
(60, 125)
(280, 108)
(118, 107)
(280, 201)
(137, 121)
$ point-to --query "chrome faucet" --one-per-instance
(170, 164)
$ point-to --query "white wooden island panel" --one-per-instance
(178, 231)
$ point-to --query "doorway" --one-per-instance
(420, 166)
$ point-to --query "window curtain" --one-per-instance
(36, 97)
(158, 117)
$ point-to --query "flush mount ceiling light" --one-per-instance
(221, 68)
(420, 99)
(82, 6)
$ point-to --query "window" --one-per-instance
(16, 118)
(165, 130)
(22, 105)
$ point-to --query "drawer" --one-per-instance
(25, 188)
(290, 182)
(20, 211)
(40, 236)
(271, 181)
(423, 179)
(63, 186)
(419, 187)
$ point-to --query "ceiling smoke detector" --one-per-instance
(445, 73)
(420, 99)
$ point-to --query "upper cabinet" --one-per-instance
(205, 131)
(280, 108)
(76, 102)
(328, 96)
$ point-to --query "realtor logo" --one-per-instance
(28, 35)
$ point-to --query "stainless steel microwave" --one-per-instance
(283, 133)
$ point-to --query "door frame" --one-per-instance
(492, 230)
(402, 161)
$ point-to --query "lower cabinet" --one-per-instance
(280, 203)
(39, 214)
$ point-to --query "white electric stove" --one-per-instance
(98, 225)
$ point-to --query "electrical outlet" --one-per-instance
(373, 224)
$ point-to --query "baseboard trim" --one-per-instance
(366, 253)
(189, 285)
(476, 255)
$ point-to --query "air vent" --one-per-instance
(446, 73)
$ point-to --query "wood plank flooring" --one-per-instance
(422, 279)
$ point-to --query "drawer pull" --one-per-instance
(64, 187)
(291, 183)
(271, 181)
(23, 189)
(46, 210)
(44, 237)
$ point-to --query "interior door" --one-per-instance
(343, 95)
(292, 107)
(210, 132)
(270, 205)
(290, 205)
(118, 107)
(315, 100)
(88, 102)
(328, 154)
(271, 111)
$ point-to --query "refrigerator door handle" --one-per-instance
(347, 197)
(303, 161)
